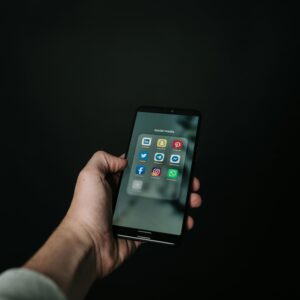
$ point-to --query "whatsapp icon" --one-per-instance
(172, 173)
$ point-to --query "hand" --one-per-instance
(91, 209)
(83, 246)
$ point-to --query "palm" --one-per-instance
(92, 209)
(122, 248)
(125, 247)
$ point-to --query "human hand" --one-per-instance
(91, 211)
(83, 246)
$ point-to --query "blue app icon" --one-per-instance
(146, 141)
(143, 156)
(159, 157)
(140, 170)
(175, 159)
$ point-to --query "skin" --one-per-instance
(83, 248)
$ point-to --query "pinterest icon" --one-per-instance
(177, 144)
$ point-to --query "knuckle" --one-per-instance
(84, 174)
(99, 153)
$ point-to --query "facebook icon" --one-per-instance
(140, 170)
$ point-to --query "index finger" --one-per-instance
(195, 184)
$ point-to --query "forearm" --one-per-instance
(68, 257)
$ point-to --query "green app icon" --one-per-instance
(172, 173)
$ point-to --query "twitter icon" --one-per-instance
(143, 156)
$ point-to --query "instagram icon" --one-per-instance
(156, 172)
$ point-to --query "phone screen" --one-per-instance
(154, 187)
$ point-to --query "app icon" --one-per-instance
(177, 144)
(137, 185)
(140, 170)
(143, 156)
(156, 172)
(162, 143)
(146, 141)
(159, 157)
(175, 159)
(172, 173)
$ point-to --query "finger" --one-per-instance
(126, 248)
(116, 178)
(137, 244)
(117, 175)
(131, 246)
(195, 184)
(195, 200)
(106, 163)
(189, 223)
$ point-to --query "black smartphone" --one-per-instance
(152, 198)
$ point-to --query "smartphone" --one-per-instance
(151, 201)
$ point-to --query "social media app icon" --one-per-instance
(161, 143)
(137, 185)
(175, 159)
(156, 172)
(159, 157)
(172, 173)
(143, 156)
(146, 141)
(140, 170)
(177, 144)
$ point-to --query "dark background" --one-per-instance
(73, 74)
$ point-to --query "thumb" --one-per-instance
(105, 163)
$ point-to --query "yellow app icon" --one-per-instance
(162, 143)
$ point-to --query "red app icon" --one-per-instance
(177, 144)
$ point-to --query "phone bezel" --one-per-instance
(153, 236)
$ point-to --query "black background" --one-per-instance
(74, 72)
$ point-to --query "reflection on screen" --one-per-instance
(154, 186)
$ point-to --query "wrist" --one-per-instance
(68, 258)
(80, 238)
(96, 243)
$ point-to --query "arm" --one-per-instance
(83, 247)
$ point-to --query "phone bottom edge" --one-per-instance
(145, 239)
